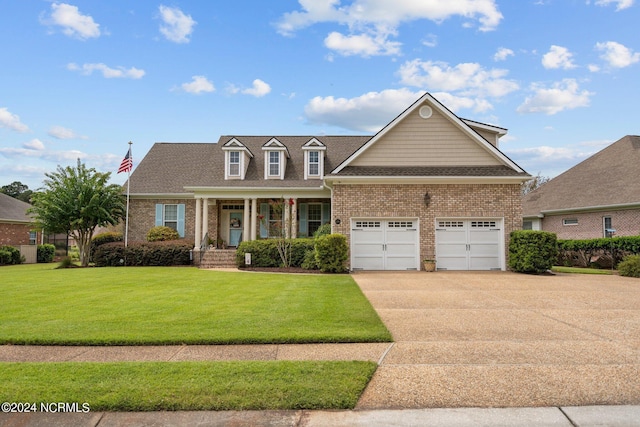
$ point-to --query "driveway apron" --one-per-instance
(500, 339)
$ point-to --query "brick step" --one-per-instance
(219, 258)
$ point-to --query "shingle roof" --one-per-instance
(480, 171)
(609, 177)
(169, 167)
(13, 209)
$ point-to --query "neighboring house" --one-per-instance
(593, 198)
(15, 225)
(429, 184)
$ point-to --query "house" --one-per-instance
(15, 225)
(598, 197)
(429, 184)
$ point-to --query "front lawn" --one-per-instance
(580, 270)
(180, 305)
(192, 386)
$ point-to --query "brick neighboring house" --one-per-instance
(601, 193)
(429, 184)
(15, 224)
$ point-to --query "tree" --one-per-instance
(534, 183)
(76, 201)
(17, 190)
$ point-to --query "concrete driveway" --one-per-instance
(498, 339)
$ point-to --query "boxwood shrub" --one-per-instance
(9, 255)
(162, 233)
(175, 252)
(532, 251)
(630, 266)
(101, 239)
(332, 252)
(46, 253)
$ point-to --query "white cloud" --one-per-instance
(502, 54)
(457, 103)
(34, 144)
(258, 89)
(198, 84)
(388, 13)
(621, 4)
(363, 44)
(60, 132)
(365, 113)
(176, 27)
(564, 95)
(594, 68)
(558, 57)
(73, 23)
(107, 72)
(54, 156)
(470, 79)
(11, 121)
(430, 40)
(617, 55)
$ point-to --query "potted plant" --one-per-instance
(429, 264)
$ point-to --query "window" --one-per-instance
(33, 237)
(607, 226)
(527, 225)
(234, 163)
(314, 163)
(274, 163)
(314, 217)
(171, 216)
(570, 221)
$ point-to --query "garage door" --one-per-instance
(468, 244)
(384, 244)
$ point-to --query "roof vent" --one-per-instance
(425, 111)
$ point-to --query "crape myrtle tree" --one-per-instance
(77, 200)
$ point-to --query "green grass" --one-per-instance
(580, 270)
(156, 386)
(161, 305)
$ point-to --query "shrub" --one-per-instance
(9, 255)
(323, 230)
(66, 262)
(532, 251)
(46, 253)
(331, 253)
(162, 234)
(264, 253)
(177, 252)
(630, 266)
(101, 239)
(309, 262)
(584, 252)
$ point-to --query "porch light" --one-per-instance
(427, 199)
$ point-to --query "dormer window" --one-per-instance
(274, 163)
(236, 159)
(275, 159)
(234, 163)
(314, 159)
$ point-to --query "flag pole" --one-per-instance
(126, 221)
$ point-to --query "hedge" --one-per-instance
(9, 255)
(103, 238)
(175, 252)
(602, 252)
(630, 266)
(46, 253)
(264, 253)
(332, 252)
(532, 251)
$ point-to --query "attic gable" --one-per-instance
(427, 134)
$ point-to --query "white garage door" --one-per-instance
(468, 244)
(378, 244)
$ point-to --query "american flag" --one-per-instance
(127, 163)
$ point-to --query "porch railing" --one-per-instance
(204, 246)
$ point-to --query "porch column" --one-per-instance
(205, 216)
(198, 238)
(246, 229)
(254, 218)
(287, 218)
(294, 219)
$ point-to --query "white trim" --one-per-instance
(307, 154)
(332, 179)
(314, 144)
(259, 192)
(484, 126)
(427, 98)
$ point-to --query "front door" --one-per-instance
(235, 228)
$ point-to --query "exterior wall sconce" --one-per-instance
(427, 199)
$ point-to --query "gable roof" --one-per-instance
(13, 210)
(463, 125)
(169, 167)
(606, 179)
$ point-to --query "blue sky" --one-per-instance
(79, 79)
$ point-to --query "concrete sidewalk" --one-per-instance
(610, 416)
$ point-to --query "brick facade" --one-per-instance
(590, 224)
(446, 200)
(15, 234)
